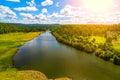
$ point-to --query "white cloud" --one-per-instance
(41, 17)
(27, 15)
(27, 8)
(66, 10)
(14, 0)
(47, 2)
(44, 10)
(6, 12)
(57, 4)
(30, 8)
(30, 19)
(32, 3)
(55, 15)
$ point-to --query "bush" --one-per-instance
(109, 40)
(116, 60)
(97, 52)
(106, 55)
(81, 46)
(89, 48)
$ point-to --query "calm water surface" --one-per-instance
(44, 53)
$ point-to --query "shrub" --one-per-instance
(97, 52)
(109, 40)
(89, 48)
(116, 60)
(106, 55)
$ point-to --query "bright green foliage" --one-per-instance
(97, 39)
(8, 44)
(116, 58)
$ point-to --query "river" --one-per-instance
(44, 53)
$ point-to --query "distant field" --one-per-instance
(98, 39)
(116, 44)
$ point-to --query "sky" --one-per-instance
(60, 11)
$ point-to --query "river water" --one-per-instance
(44, 53)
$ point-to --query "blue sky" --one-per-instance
(59, 11)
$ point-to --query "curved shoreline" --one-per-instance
(11, 70)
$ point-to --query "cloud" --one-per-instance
(30, 8)
(55, 15)
(14, 0)
(66, 10)
(27, 15)
(32, 3)
(47, 3)
(27, 8)
(30, 19)
(41, 17)
(6, 12)
(80, 15)
(44, 10)
(57, 4)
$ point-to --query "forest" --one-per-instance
(9, 28)
(100, 40)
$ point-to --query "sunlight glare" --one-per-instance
(98, 5)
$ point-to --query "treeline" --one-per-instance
(89, 30)
(7, 28)
(79, 36)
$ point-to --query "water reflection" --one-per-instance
(45, 54)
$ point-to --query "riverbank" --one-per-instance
(99, 40)
(45, 54)
(8, 48)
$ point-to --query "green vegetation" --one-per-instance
(100, 40)
(8, 44)
(7, 28)
(22, 75)
(11, 36)
(16, 36)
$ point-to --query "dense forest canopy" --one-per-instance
(88, 29)
(7, 28)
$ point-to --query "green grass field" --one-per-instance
(98, 39)
(8, 48)
(116, 43)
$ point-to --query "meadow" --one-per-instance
(8, 48)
